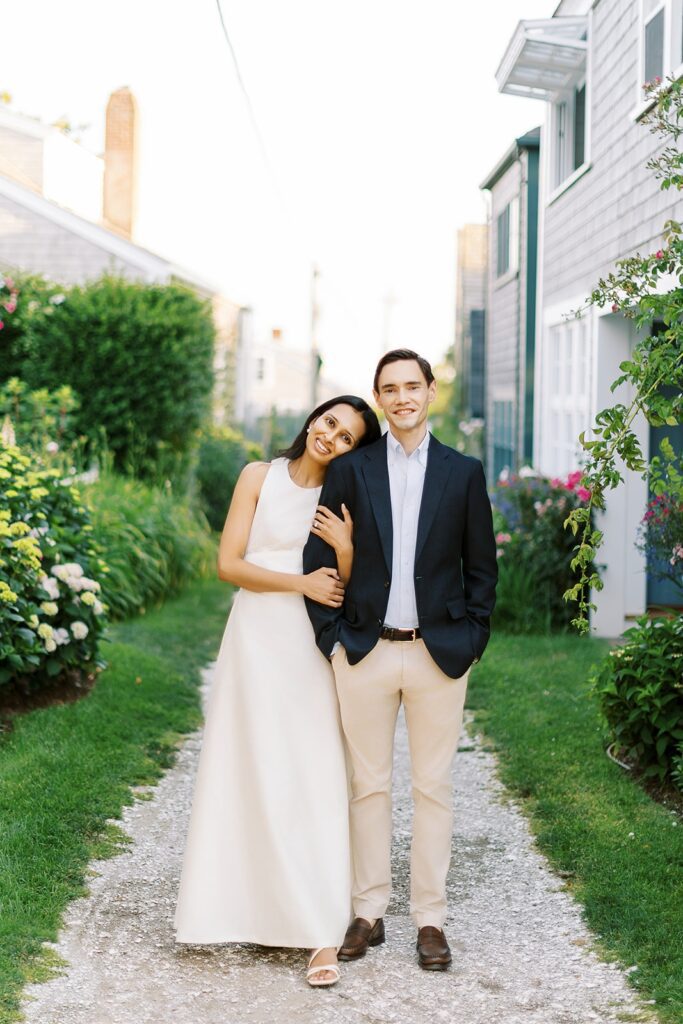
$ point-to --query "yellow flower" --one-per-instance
(33, 622)
(38, 492)
(19, 529)
(5, 474)
(11, 493)
(7, 595)
(45, 631)
(49, 607)
(88, 598)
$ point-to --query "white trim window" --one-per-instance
(507, 239)
(566, 398)
(569, 131)
(661, 49)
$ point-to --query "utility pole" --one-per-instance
(315, 354)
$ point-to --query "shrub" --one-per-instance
(25, 301)
(50, 613)
(534, 550)
(640, 689)
(223, 453)
(153, 542)
(139, 358)
(660, 535)
(42, 420)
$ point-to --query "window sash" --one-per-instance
(503, 248)
(654, 46)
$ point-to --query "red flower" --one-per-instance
(615, 308)
(659, 255)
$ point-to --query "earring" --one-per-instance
(308, 430)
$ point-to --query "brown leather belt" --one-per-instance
(390, 633)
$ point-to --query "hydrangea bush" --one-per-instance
(534, 549)
(51, 607)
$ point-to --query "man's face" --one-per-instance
(404, 395)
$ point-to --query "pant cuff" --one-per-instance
(369, 911)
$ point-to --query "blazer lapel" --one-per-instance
(438, 470)
(376, 474)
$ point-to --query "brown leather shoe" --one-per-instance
(359, 935)
(433, 951)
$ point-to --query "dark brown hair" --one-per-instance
(372, 427)
(395, 356)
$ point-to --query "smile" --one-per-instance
(321, 447)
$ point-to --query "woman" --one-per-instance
(267, 857)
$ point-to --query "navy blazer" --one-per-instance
(455, 556)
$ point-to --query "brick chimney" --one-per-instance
(120, 163)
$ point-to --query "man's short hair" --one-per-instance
(397, 354)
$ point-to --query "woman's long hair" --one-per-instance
(372, 427)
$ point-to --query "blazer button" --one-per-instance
(386, 583)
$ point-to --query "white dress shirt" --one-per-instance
(406, 483)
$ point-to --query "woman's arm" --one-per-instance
(323, 585)
(338, 533)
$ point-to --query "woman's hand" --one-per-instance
(324, 586)
(336, 532)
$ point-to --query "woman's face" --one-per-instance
(334, 432)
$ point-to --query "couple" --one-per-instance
(396, 564)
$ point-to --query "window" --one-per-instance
(662, 39)
(260, 368)
(569, 115)
(507, 238)
(503, 438)
(477, 378)
(566, 396)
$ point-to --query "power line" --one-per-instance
(250, 110)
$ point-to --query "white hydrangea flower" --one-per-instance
(52, 447)
(74, 583)
(50, 646)
(50, 585)
(88, 598)
(88, 584)
(59, 571)
(45, 631)
(72, 569)
(98, 607)
(79, 630)
(61, 636)
(49, 607)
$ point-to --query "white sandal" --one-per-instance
(312, 971)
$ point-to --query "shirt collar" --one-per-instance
(395, 448)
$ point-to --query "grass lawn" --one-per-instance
(622, 851)
(66, 769)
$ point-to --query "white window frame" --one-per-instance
(673, 46)
(563, 172)
(566, 402)
(513, 241)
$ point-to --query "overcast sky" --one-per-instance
(380, 119)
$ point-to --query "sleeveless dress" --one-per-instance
(267, 857)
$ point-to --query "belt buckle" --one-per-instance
(414, 636)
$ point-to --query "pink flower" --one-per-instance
(583, 493)
(9, 282)
(573, 479)
(659, 255)
(503, 538)
(1, 325)
(615, 308)
(556, 482)
(499, 553)
(10, 306)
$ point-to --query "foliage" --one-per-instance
(654, 374)
(42, 420)
(222, 455)
(139, 358)
(154, 542)
(50, 614)
(640, 688)
(533, 550)
(26, 301)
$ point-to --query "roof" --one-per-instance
(151, 266)
(530, 140)
(543, 57)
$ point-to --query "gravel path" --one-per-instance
(521, 952)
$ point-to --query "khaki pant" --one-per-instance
(370, 694)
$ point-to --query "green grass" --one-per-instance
(530, 698)
(65, 770)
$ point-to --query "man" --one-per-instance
(415, 617)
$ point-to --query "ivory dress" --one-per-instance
(267, 856)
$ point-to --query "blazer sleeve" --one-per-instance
(479, 562)
(317, 553)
